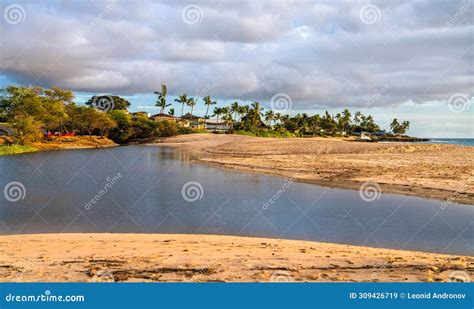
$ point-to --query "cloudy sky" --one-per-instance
(408, 59)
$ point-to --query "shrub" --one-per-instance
(165, 129)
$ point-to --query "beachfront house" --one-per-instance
(214, 125)
(165, 117)
(194, 122)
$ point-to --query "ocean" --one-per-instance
(456, 141)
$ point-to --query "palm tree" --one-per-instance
(183, 99)
(254, 113)
(217, 112)
(314, 122)
(346, 119)
(277, 117)
(161, 102)
(244, 109)
(227, 118)
(191, 103)
(208, 102)
(269, 117)
(234, 108)
(171, 112)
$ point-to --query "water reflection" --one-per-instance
(148, 198)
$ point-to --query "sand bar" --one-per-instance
(188, 258)
(436, 171)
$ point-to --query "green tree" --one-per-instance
(89, 120)
(208, 102)
(118, 102)
(254, 115)
(123, 131)
(105, 123)
(243, 110)
(217, 112)
(191, 103)
(399, 128)
(235, 108)
(161, 102)
(269, 117)
(26, 129)
(182, 99)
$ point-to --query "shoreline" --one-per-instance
(186, 258)
(396, 167)
(65, 144)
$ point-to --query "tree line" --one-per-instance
(32, 112)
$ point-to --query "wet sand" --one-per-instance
(441, 172)
(204, 258)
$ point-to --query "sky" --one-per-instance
(413, 60)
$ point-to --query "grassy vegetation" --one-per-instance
(13, 149)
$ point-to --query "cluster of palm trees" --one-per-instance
(252, 117)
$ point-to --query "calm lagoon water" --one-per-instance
(142, 192)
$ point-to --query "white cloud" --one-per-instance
(321, 54)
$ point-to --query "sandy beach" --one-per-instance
(428, 170)
(205, 258)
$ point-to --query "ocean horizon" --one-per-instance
(454, 141)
